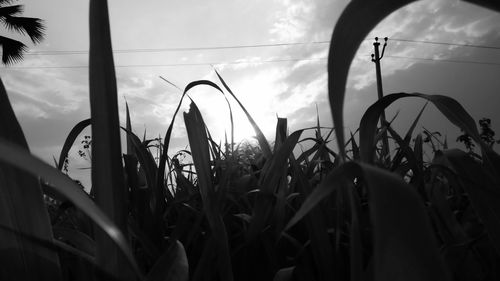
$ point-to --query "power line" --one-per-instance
(445, 43)
(251, 62)
(171, 65)
(159, 50)
(180, 49)
(443, 60)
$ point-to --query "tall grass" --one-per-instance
(251, 212)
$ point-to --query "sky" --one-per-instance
(49, 88)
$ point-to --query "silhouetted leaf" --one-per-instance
(198, 142)
(17, 157)
(70, 140)
(483, 192)
(22, 209)
(404, 245)
(264, 145)
(171, 266)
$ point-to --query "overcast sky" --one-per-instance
(285, 81)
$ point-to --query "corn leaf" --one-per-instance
(264, 145)
(321, 245)
(483, 192)
(404, 245)
(448, 106)
(107, 170)
(355, 22)
(284, 274)
(272, 173)
(198, 142)
(17, 157)
(70, 140)
(166, 141)
(78, 239)
(128, 125)
(22, 209)
(171, 266)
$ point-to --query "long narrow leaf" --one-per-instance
(198, 142)
(171, 266)
(22, 209)
(481, 188)
(404, 245)
(266, 148)
(17, 157)
(355, 22)
(448, 106)
(70, 140)
(270, 179)
(107, 171)
(166, 141)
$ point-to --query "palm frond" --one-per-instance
(12, 50)
(3, 2)
(11, 10)
(33, 27)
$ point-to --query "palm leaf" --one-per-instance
(10, 10)
(32, 27)
(12, 50)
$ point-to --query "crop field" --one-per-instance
(263, 210)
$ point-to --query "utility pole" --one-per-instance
(376, 57)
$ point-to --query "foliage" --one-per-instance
(252, 211)
(12, 50)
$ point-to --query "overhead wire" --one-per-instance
(180, 49)
(42, 53)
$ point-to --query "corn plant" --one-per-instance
(236, 212)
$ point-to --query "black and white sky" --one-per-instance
(49, 89)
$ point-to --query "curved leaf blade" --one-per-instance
(171, 266)
(70, 140)
(355, 22)
(17, 157)
(18, 190)
(450, 108)
(404, 245)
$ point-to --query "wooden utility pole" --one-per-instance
(376, 57)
